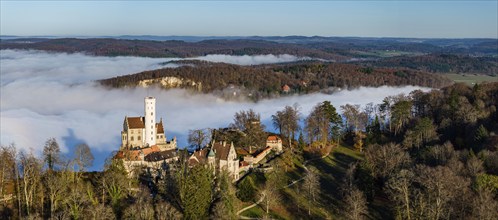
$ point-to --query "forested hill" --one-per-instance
(330, 48)
(429, 55)
(267, 81)
(442, 63)
(171, 48)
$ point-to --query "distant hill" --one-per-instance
(266, 81)
(185, 46)
(430, 55)
(117, 47)
(441, 63)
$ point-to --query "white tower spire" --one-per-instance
(150, 121)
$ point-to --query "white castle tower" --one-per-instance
(150, 121)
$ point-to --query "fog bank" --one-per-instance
(47, 95)
(250, 60)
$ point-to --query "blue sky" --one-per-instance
(442, 19)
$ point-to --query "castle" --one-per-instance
(143, 141)
(144, 145)
(219, 155)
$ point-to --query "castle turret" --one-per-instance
(211, 157)
(150, 121)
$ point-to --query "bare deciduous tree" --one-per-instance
(385, 160)
(142, 208)
(164, 210)
(287, 122)
(250, 123)
(355, 205)
(76, 200)
(439, 187)
(30, 171)
(484, 206)
(271, 191)
(84, 157)
(356, 120)
(399, 188)
(7, 163)
(311, 187)
(198, 137)
(55, 186)
(474, 166)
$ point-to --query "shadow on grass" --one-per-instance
(332, 170)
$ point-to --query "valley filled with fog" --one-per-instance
(47, 95)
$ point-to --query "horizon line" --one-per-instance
(228, 36)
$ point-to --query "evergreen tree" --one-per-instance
(197, 194)
(226, 207)
(51, 152)
(334, 119)
(301, 144)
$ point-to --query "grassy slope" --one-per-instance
(331, 169)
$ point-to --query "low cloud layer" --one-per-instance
(250, 60)
(47, 95)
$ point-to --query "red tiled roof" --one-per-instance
(152, 149)
(133, 155)
(273, 138)
(285, 88)
(119, 155)
(135, 122)
(244, 163)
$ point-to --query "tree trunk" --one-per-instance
(26, 197)
(18, 191)
(290, 143)
(3, 172)
(267, 206)
(407, 203)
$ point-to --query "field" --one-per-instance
(387, 53)
(471, 79)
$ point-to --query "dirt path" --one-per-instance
(251, 206)
(290, 184)
(304, 166)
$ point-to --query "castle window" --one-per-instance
(152, 127)
(131, 138)
(152, 113)
(132, 131)
(139, 138)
